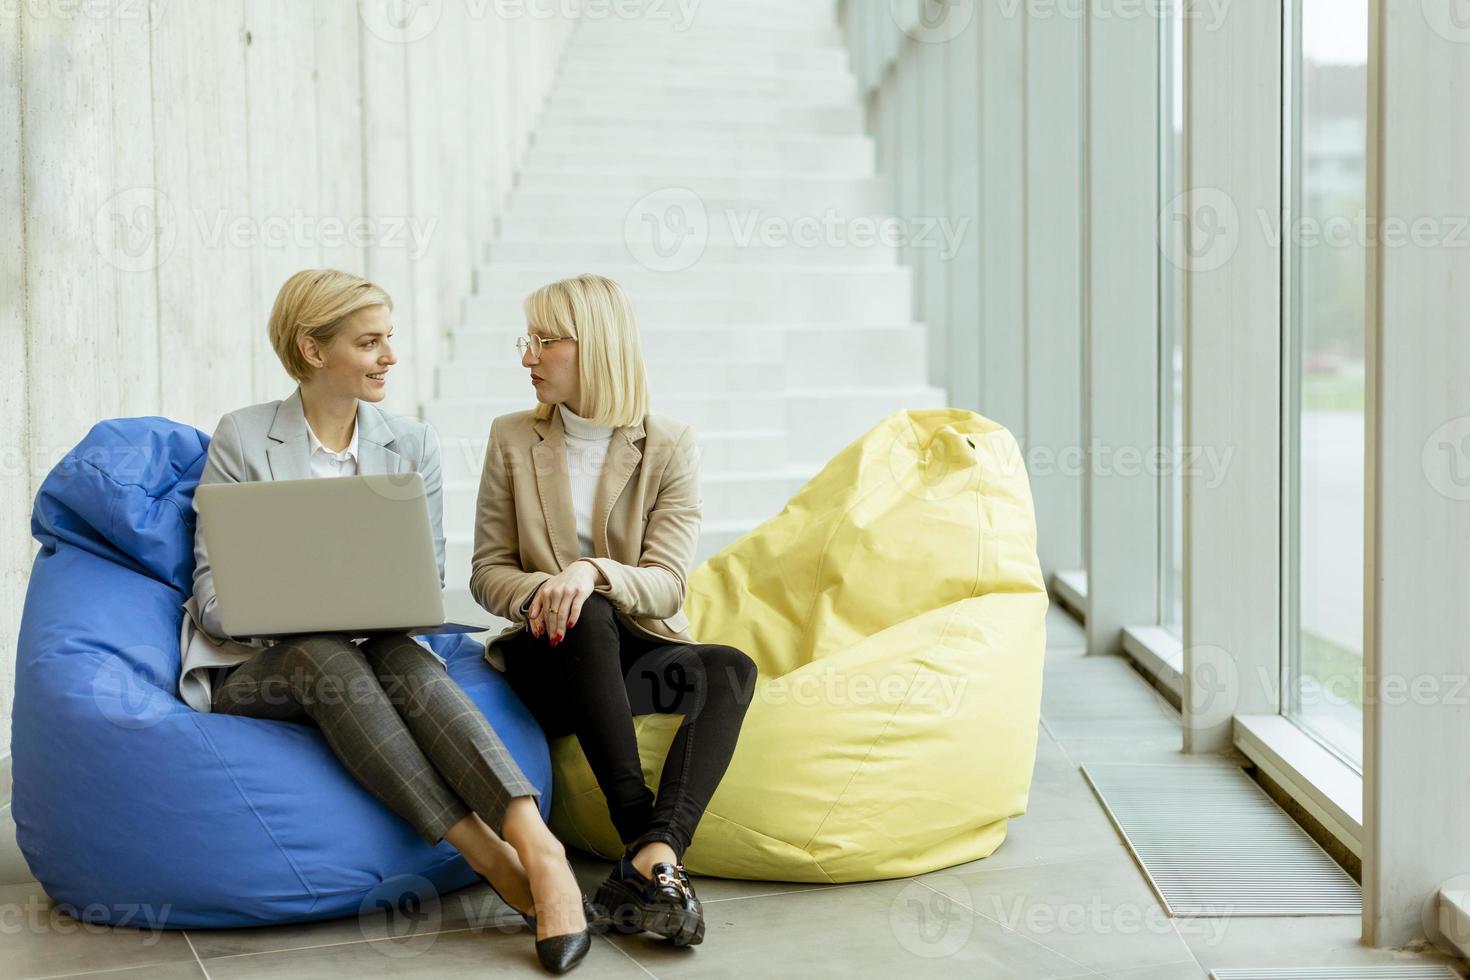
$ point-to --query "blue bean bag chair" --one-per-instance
(133, 809)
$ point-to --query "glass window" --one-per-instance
(1324, 389)
(1171, 322)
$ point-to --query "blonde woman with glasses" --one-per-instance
(587, 522)
(388, 708)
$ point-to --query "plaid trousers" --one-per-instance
(390, 711)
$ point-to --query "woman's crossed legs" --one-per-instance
(411, 737)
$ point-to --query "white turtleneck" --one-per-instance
(586, 451)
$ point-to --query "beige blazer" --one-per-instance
(645, 522)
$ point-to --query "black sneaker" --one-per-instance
(664, 904)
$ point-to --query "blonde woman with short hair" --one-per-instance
(388, 708)
(587, 523)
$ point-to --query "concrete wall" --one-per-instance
(165, 165)
(976, 112)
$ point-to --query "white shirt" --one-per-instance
(586, 452)
(324, 462)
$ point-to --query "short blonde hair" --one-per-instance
(314, 303)
(596, 312)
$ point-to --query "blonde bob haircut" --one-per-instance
(314, 303)
(594, 311)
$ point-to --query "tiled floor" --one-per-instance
(1060, 898)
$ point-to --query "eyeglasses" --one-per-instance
(535, 343)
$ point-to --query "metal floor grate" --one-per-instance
(1340, 973)
(1212, 843)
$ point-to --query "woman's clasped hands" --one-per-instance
(558, 602)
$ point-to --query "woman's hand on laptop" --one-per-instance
(558, 602)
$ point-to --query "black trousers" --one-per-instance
(600, 676)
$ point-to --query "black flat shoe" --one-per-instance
(664, 904)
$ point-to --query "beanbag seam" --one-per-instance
(264, 825)
(751, 830)
(858, 769)
(826, 546)
(136, 486)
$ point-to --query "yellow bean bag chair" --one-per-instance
(896, 612)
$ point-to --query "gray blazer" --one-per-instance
(269, 441)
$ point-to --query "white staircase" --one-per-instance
(719, 172)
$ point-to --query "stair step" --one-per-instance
(710, 308)
(583, 78)
(458, 552)
(593, 204)
(846, 159)
(626, 66)
(869, 364)
(833, 119)
(716, 98)
(729, 39)
(780, 330)
(703, 279)
(738, 498)
(665, 139)
(802, 343)
(727, 451)
(861, 195)
(841, 251)
(469, 379)
(732, 111)
(818, 422)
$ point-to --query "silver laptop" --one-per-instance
(350, 555)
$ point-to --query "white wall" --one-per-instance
(1418, 503)
(165, 166)
(976, 113)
